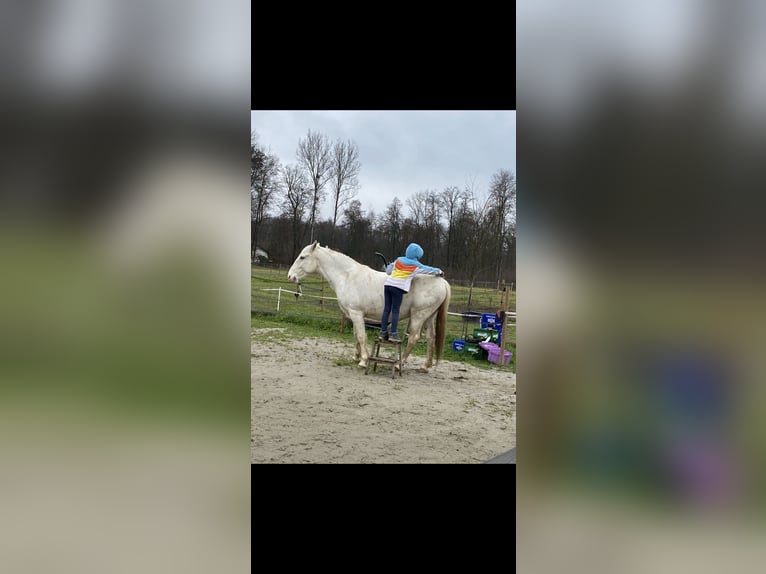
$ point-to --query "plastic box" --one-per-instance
(488, 320)
(472, 348)
(458, 345)
(482, 334)
(494, 357)
(493, 353)
(475, 351)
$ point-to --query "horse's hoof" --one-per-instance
(363, 364)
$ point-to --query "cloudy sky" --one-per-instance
(402, 152)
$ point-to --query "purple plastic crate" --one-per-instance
(495, 357)
(493, 352)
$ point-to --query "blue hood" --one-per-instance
(414, 251)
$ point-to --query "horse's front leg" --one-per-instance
(361, 339)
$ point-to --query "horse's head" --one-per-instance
(305, 264)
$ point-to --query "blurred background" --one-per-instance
(124, 370)
(642, 445)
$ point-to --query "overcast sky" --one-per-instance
(402, 152)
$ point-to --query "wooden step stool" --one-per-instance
(375, 358)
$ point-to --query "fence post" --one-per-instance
(279, 297)
(504, 325)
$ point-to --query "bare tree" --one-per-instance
(358, 230)
(450, 203)
(314, 155)
(344, 174)
(472, 225)
(296, 201)
(502, 198)
(264, 186)
(431, 226)
(423, 224)
(391, 226)
(416, 203)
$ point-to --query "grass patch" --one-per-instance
(295, 326)
(269, 336)
(300, 327)
(505, 412)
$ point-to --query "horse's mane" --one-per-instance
(335, 251)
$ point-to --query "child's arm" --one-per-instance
(428, 270)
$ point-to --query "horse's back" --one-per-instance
(426, 292)
(430, 288)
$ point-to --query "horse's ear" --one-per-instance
(314, 245)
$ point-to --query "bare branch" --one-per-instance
(296, 201)
(344, 173)
(314, 155)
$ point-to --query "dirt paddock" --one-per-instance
(311, 404)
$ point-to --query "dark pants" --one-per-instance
(393, 297)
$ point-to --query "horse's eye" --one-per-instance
(302, 257)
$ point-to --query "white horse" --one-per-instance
(360, 296)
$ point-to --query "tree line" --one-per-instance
(468, 232)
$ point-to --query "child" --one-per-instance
(400, 273)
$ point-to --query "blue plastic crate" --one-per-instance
(458, 345)
(488, 320)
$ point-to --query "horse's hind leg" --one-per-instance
(415, 326)
(430, 337)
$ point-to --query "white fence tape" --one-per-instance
(296, 293)
(280, 290)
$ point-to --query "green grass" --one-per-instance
(295, 326)
(93, 347)
(291, 327)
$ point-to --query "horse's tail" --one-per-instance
(441, 323)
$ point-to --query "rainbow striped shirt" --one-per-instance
(403, 269)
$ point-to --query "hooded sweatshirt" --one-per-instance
(401, 271)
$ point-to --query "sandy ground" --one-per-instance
(311, 404)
